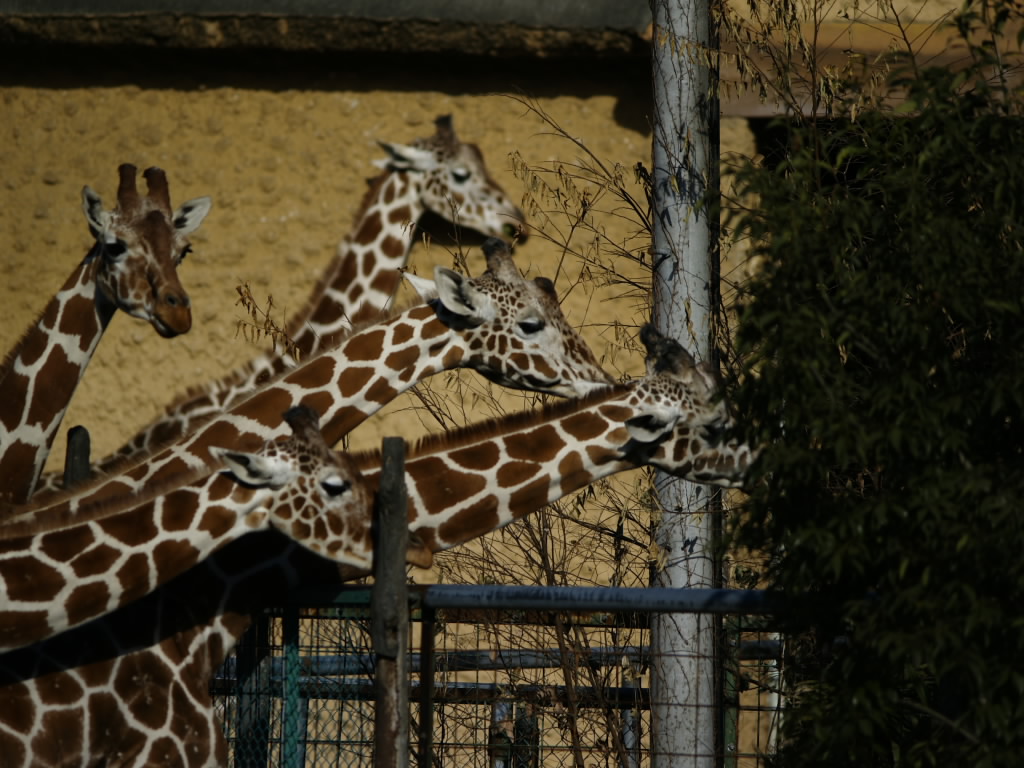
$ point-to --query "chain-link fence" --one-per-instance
(489, 685)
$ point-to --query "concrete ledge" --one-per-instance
(498, 28)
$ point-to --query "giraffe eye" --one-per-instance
(335, 486)
(461, 175)
(531, 326)
(116, 249)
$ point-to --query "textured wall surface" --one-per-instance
(284, 145)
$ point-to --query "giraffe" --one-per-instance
(71, 562)
(143, 672)
(132, 266)
(515, 332)
(439, 175)
(506, 327)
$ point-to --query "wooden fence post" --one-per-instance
(76, 458)
(389, 612)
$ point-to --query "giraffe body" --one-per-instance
(55, 575)
(461, 486)
(132, 267)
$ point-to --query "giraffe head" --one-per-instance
(140, 244)
(514, 327)
(318, 496)
(685, 422)
(453, 182)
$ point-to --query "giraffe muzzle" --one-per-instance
(173, 314)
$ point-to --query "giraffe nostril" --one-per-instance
(174, 301)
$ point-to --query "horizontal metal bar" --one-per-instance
(600, 599)
(630, 600)
(480, 693)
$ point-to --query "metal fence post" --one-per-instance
(253, 687)
(426, 720)
(294, 705)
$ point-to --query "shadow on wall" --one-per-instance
(626, 78)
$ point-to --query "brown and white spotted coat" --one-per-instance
(441, 175)
(501, 324)
(132, 267)
(166, 647)
(77, 559)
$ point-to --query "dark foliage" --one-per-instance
(885, 340)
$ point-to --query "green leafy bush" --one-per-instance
(884, 338)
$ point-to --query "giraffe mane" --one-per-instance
(373, 184)
(23, 520)
(499, 425)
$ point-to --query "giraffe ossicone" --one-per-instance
(65, 564)
(131, 266)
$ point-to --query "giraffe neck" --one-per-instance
(346, 385)
(41, 374)
(189, 626)
(114, 553)
(357, 286)
(466, 484)
(361, 280)
(143, 672)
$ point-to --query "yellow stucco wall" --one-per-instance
(286, 162)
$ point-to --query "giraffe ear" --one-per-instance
(403, 157)
(425, 289)
(253, 469)
(191, 214)
(459, 296)
(99, 219)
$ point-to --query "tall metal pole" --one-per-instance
(685, 160)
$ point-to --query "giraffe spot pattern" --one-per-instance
(81, 603)
(538, 445)
(60, 736)
(477, 457)
(513, 473)
(365, 347)
(95, 561)
(33, 346)
(571, 473)
(402, 359)
(56, 368)
(133, 575)
(584, 426)
(28, 580)
(468, 523)
(172, 557)
(63, 544)
(129, 530)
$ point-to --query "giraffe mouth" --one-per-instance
(169, 330)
